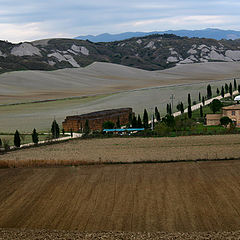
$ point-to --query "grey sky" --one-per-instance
(29, 20)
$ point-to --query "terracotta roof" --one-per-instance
(232, 107)
(213, 116)
(100, 114)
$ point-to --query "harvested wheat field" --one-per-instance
(114, 150)
(168, 197)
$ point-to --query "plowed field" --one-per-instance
(171, 197)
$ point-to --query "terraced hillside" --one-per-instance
(154, 52)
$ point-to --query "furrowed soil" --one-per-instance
(115, 150)
(164, 197)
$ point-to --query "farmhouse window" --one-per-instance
(233, 113)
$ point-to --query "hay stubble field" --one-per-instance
(114, 150)
(183, 200)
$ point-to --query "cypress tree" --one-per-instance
(170, 109)
(238, 88)
(209, 91)
(167, 109)
(235, 84)
(130, 119)
(199, 97)
(55, 129)
(189, 111)
(157, 114)
(230, 89)
(222, 92)
(17, 140)
(145, 119)
(118, 125)
(35, 136)
(201, 111)
(134, 122)
(217, 91)
(226, 88)
(181, 108)
(189, 100)
(71, 132)
(139, 122)
(203, 100)
(86, 127)
(1, 143)
(63, 132)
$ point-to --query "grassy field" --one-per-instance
(41, 115)
(173, 197)
(128, 150)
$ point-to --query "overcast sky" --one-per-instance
(25, 20)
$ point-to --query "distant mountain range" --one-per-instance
(213, 33)
(153, 52)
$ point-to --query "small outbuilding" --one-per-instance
(233, 112)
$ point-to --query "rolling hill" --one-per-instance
(214, 33)
(154, 52)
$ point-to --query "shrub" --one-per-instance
(6, 144)
(162, 129)
(108, 125)
(225, 121)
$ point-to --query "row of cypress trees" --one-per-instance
(55, 130)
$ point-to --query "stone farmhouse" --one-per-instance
(233, 112)
(96, 119)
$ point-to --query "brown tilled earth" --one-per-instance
(127, 150)
(164, 197)
(9, 234)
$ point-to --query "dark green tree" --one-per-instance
(225, 121)
(71, 132)
(145, 119)
(139, 122)
(235, 84)
(238, 88)
(230, 89)
(181, 108)
(86, 129)
(189, 112)
(108, 125)
(63, 132)
(226, 88)
(35, 136)
(1, 143)
(170, 109)
(130, 119)
(55, 129)
(217, 91)
(222, 92)
(209, 91)
(199, 97)
(203, 100)
(201, 111)
(17, 139)
(167, 109)
(169, 120)
(157, 114)
(134, 122)
(215, 105)
(118, 125)
(189, 99)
